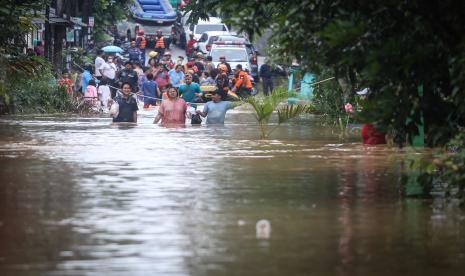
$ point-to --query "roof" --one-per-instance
(211, 20)
(210, 33)
(227, 46)
(230, 37)
(60, 21)
(79, 23)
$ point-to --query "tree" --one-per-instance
(394, 47)
(107, 13)
(16, 22)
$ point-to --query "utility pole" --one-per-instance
(87, 9)
(47, 38)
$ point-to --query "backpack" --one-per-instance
(196, 119)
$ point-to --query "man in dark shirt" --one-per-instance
(127, 106)
(266, 73)
(223, 61)
(128, 75)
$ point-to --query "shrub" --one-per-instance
(40, 94)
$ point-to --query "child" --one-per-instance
(91, 95)
(104, 93)
(66, 82)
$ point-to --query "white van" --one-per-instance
(235, 53)
(213, 24)
(204, 43)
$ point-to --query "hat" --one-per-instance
(153, 54)
(223, 67)
(167, 53)
(363, 92)
(200, 55)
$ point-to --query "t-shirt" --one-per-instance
(173, 111)
(86, 77)
(216, 111)
(129, 76)
(98, 63)
(176, 78)
(188, 91)
(149, 89)
(91, 92)
(126, 109)
(109, 71)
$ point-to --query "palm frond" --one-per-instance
(265, 106)
(288, 112)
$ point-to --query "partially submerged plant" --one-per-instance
(265, 106)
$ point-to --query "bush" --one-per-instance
(40, 94)
(442, 173)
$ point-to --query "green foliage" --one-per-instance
(328, 102)
(106, 14)
(392, 47)
(443, 171)
(15, 19)
(40, 94)
(26, 82)
(266, 105)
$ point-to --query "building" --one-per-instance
(61, 25)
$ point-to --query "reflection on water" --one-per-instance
(79, 196)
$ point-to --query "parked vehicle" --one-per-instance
(251, 52)
(235, 53)
(182, 30)
(204, 43)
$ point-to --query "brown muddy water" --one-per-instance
(81, 197)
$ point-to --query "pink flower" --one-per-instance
(348, 107)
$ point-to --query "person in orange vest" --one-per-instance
(140, 43)
(242, 83)
(160, 44)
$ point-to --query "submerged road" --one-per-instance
(79, 196)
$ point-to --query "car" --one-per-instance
(204, 43)
(235, 53)
(252, 53)
(181, 29)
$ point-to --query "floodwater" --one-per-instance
(81, 197)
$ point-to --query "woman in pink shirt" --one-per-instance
(172, 111)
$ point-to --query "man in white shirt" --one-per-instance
(98, 63)
(108, 71)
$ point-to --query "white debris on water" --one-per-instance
(66, 254)
(263, 229)
(240, 222)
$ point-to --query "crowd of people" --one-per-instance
(156, 83)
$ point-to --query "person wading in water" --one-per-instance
(127, 106)
(172, 111)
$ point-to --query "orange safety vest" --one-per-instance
(244, 80)
(142, 42)
(160, 43)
